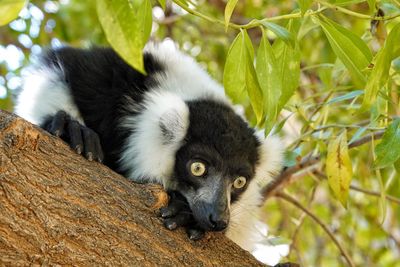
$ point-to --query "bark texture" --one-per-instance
(56, 208)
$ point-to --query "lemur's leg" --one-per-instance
(178, 213)
(80, 138)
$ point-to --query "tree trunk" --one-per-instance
(57, 208)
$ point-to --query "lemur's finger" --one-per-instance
(57, 124)
(99, 150)
(195, 233)
(171, 210)
(89, 143)
(179, 220)
(75, 136)
(176, 203)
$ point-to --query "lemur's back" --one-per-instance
(91, 85)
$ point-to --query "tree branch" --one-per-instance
(57, 208)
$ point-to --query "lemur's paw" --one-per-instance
(80, 138)
(178, 214)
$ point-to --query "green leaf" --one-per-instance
(338, 167)
(347, 2)
(240, 78)
(254, 90)
(9, 10)
(357, 134)
(349, 48)
(350, 95)
(288, 61)
(372, 5)
(235, 68)
(388, 150)
(230, 6)
(291, 157)
(163, 3)
(127, 26)
(304, 5)
(278, 127)
(268, 76)
(145, 19)
(280, 31)
(397, 166)
(380, 73)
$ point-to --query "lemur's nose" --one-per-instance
(218, 221)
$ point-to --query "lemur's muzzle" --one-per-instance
(212, 208)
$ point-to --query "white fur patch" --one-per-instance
(245, 212)
(183, 76)
(148, 157)
(43, 94)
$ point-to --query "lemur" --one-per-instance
(173, 125)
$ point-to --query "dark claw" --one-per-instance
(90, 146)
(166, 212)
(174, 207)
(99, 150)
(195, 233)
(179, 220)
(170, 224)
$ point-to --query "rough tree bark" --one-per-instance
(56, 208)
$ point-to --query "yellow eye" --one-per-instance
(239, 182)
(198, 168)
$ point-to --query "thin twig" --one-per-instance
(355, 14)
(301, 221)
(367, 139)
(318, 221)
(365, 191)
(284, 178)
(255, 22)
(377, 194)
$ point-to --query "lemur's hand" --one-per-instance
(82, 139)
(178, 213)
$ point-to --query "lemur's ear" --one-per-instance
(159, 132)
(166, 119)
(173, 124)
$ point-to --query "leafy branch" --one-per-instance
(259, 22)
(311, 163)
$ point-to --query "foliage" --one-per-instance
(321, 73)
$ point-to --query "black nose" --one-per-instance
(218, 223)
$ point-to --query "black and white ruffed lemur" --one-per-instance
(173, 126)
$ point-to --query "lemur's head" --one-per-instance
(215, 163)
(201, 148)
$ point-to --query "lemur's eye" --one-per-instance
(198, 168)
(239, 182)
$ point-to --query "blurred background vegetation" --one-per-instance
(325, 103)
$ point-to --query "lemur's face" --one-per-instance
(216, 163)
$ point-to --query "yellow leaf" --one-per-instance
(338, 167)
(9, 10)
